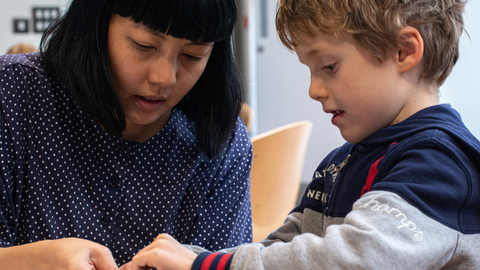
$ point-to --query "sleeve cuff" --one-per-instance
(212, 261)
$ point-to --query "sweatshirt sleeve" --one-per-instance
(208, 260)
(383, 231)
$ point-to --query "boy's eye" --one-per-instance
(329, 67)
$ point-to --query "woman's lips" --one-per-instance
(148, 104)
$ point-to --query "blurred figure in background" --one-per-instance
(22, 48)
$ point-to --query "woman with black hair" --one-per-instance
(124, 126)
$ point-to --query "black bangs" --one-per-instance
(195, 20)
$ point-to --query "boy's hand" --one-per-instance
(164, 253)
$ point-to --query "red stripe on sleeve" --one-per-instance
(223, 261)
(208, 261)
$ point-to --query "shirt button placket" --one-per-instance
(105, 220)
(114, 182)
(120, 150)
(116, 179)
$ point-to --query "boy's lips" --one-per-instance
(337, 112)
(337, 115)
(334, 112)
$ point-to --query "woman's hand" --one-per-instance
(164, 253)
(59, 254)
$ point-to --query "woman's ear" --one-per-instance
(410, 50)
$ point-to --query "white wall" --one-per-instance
(462, 88)
(283, 88)
(21, 9)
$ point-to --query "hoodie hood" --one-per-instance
(441, 117)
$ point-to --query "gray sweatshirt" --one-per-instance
(408, 197)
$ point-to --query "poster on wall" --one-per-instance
(41, 18)
(24, 23)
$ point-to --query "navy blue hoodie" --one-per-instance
(407, 197)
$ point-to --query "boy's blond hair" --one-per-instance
(375, 25)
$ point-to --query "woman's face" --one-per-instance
(151, 72)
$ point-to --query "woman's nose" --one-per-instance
(163, 72)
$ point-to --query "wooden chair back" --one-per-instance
(278, 161)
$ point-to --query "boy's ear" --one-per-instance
(410, 50)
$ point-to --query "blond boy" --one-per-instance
(404, 191)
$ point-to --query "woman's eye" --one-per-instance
(191, 57)
(142, 47)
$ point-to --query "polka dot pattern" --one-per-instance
(62, 176)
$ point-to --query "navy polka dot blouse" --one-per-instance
(62, 176)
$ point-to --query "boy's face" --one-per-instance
(362, 94)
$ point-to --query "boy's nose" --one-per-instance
(163, 73)
(317, 90)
